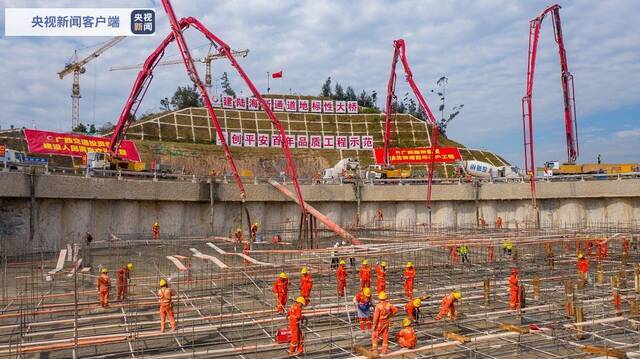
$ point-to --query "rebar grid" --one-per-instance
(230, 311)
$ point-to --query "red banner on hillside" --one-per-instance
(68, 144)
(418, 155)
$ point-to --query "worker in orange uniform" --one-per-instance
(598, 249)
(281, 291)
(254, 231)
(246, 247)
(583, 267)
(104, 286)
(482, 222)
(453, 253)
(490, 253)
(238, 235)
(448, 305)
(514, 290)
(296, 343)
(124, 275)
(341, 276)
(362, 301)
(381, 316)
(155, 230)
(499, 222)
(409, 277)
(381, 277)
(413, 309)
(365, 275)
(605, 248)
(626, 246)
(406, 337)
(165, 298)
(306, 283)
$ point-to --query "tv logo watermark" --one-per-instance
(79, 22)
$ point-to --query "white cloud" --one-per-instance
(628, 133)
(480, 46)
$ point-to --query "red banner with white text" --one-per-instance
(71, 144)
(418, 155)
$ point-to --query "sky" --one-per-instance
(481, 46)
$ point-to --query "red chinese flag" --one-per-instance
(277, 75)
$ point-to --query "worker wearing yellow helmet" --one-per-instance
(341, 276)
(124, 277)
(365, 275)
(362, 302)
(381, 276)
(409, 277)
(238, 235)
(296, 343)
(412, 308)
(281, 291)
(165, 297)
(448, 305)
(104, 286)
(406, 337)
(155, 230)
(306, 284)
(254, 231)
(381, 322)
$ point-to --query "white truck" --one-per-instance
(345, 168)
(486, 170)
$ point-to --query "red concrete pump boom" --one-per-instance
(146, 74)
(570, 122)
(400, 53)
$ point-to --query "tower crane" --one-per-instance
(566, 79)
(77, 67)
(211, 56)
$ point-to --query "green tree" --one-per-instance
(80, 128)
(184, 97)
(106, 127)
(326, 88)
(339, 93)
(226, 85)
(92, 129)
(350, 94)
(444, 120)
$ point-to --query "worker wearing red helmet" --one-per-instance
(514, 290)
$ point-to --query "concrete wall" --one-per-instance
(67, 206)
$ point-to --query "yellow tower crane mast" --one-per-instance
(77, 67)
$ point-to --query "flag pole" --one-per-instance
(268, 88)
